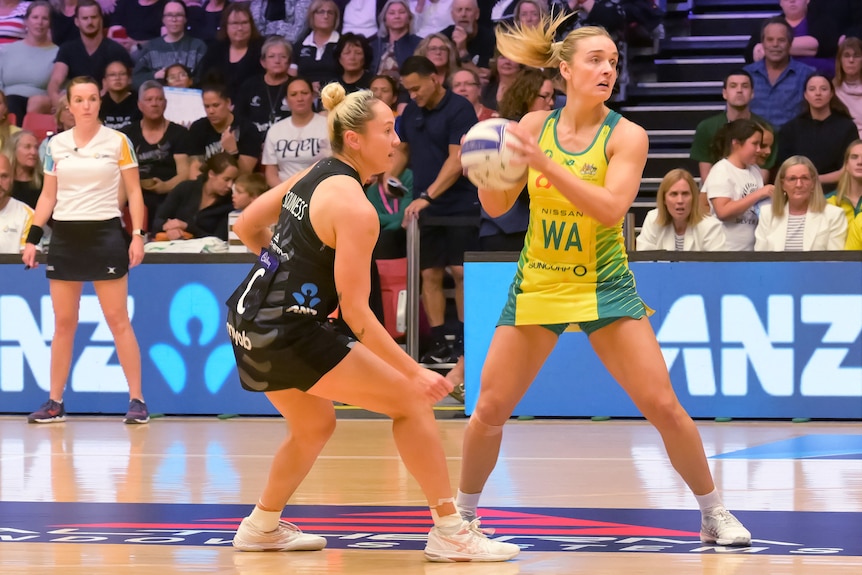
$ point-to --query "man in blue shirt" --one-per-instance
(431, 129)
(779, 80)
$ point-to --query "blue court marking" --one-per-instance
(352, 527)
(803, 447)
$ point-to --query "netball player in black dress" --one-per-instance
(317, 258)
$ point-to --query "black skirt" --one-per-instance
(85, 251)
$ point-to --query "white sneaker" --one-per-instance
(469, 543)
(286, 537)
(722, 528)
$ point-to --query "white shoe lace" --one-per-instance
(476, 527)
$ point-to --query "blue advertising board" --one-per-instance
(179, 317)
(741, 339)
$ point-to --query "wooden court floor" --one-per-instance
(581, 465)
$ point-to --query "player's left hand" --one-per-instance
(136, 251)
(524, 145)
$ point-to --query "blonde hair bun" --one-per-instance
(332, 95)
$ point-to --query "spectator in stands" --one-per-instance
(679, 223)
(431, 129)
(735, 185)
(392, 241)
(88, 54)
(608, 14)
(234, 57)
(353, 58)
(297, 142)
(12, 16)
(431, 16)
(815, 36)
(778, 79)
(199, 208)
(161, 147)
(178, 76)
(175, 47)
(531, 91)
(314, 54)
(63, 27)
(395, 41)
(136, 22)
(246, 189)
(821, 133)
(360, 17)
(26, 86)
(503, 74)
(15, 217)
(799, 219)
(465, 82)
(27, 175)
(442, 53)
(475, 44)
(262, 99)
(6, 127)
(529, 12)
(222, 131)
(385, 89)
(848, 78)
(848, 196)
(766, 154)
(205, 18)
(119, 108)
(285, 18)
(737, 92)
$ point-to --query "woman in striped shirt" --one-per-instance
(799, 219)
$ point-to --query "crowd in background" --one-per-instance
(776, 169)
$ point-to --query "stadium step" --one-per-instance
(728, 23)
(696, 69)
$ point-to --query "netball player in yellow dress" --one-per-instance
(585, 165)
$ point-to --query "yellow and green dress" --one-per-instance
(572, 269)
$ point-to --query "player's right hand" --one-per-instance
(433, 385)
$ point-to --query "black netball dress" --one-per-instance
(277, 318)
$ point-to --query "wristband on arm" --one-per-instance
(34, 236)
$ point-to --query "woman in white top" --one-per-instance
(799, 218)
(734, 185)
(84, 168)
(298, 141)
(678, 223)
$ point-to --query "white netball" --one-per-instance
(486, 157)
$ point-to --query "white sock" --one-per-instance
(468, 502)
(449, 523)
(709, 502)
(264, 520)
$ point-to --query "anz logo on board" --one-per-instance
(829, 364)
(191, 350)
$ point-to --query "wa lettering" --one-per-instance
(554, 233)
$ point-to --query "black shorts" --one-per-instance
(275, 356)
(84, 251)
(442, 246)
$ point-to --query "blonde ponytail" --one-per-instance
(346, 112)
(535, 46)
(332, 95)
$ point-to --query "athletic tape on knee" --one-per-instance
(483, 428)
